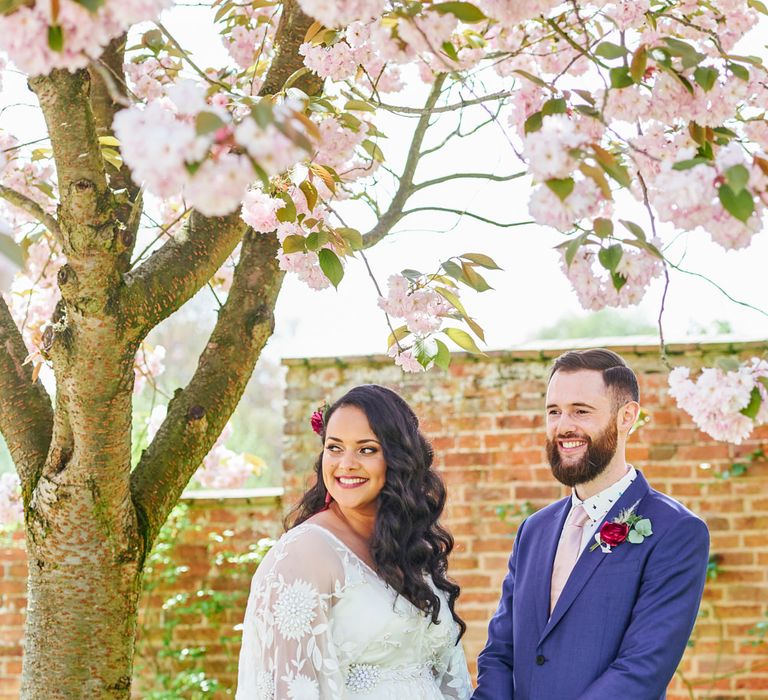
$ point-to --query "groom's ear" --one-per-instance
(627, 417)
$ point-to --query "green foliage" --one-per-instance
(515, 513)
(759, 631)
(741, 467)
(167, 668)
(713, 566)
(605, 323)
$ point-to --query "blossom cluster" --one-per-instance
(45, 35)
(725, 403)
(11, 508)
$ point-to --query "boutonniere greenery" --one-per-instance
(628, 525)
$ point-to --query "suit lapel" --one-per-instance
(588, 562)
(548, 545)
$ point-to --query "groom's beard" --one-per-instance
(598, 455)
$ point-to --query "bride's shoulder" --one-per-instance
(305, 548)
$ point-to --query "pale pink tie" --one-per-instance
(567, 553)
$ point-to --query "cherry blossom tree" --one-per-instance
(245, 171)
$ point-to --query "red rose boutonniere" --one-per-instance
(627, 526)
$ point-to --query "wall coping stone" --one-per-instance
(261, 496)
(549, 349)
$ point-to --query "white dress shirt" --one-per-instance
(597, 506)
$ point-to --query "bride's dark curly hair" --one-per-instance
(408, 541)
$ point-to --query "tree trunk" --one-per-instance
(81, 614)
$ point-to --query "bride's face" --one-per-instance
(354, 470)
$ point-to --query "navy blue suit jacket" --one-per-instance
(623, 619)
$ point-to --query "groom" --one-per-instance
(603, 586)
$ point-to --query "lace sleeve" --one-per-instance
(287, 649)
(455, 682)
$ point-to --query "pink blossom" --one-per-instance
(259, 210)
(548, 150)
(406, 360)
(715, 400)
(340, 13)
(422, 308)
(11, 507)
(627, 14)
(224, 469)
(307, 267)
(148, 365)
(24, 33)
(336, 62)
(269, 147)
(155, 420)
(512, 13)
(219, 185)
(585, 201)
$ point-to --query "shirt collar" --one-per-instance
(597, 506)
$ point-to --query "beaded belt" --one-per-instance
(364, 677)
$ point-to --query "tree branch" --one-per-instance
(32, 208)
(197, 414)
(405, 186)
(463, 176)
(502, 94)
(64, 99)
(174, 274)
(467, 213)
(26, 416)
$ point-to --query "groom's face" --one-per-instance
(582, 431)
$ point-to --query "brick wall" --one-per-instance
(244, 517)
(485, 418)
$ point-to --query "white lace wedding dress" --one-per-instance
(321, 625)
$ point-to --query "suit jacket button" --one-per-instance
(540, 660)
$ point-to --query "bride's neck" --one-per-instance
(360, 523)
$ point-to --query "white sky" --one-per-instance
(530, 292)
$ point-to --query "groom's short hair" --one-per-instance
(618, 377)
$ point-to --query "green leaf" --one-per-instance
(465, 11)
(207, 122)
(310, 193)
(443, 357)
(109, 141)
(759, 6)
(359, 106)
(534, 79)
(300, 73)
(8, 6)
(352, 236)
(561, 187)
(633, 228)
(620, 77)
(740, 205)
(463, 340)
(294, 244)
(316, 240)
(288, 212)
(635, 537)
(452, 299)
(331, 266)
(618, 281)
(454, 270)
(482, 260)
(611, 165)
(586, 96)
(644, 527)
(557, 105)
(373, 150)
(572, 249)
(397, 336)
(739, 71)
(533, 123)
(753, 407)
(450, 50)
(706, 77)
(11, 250)
(474, 279)
(412, 275)
(610, 257)
(153, 39)
(603, 227)
(91, 5)
(56, 38)
(687, 53)
(608, 50)
(639, 64)
(690, 163)
(737, 177)
(112, 157)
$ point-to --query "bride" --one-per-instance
(353, 602)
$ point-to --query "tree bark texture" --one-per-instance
(90, 520)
